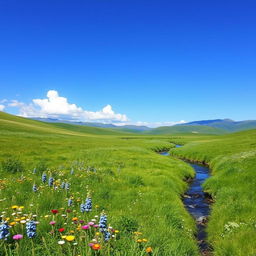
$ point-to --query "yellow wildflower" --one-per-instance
(70, 238)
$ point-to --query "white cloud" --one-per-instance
(151, 124)
(2, 107)
(55, 106)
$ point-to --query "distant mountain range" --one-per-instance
(216, 126)
(226, 124)
(101, 125)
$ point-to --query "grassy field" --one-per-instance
(139, 190)
(232, 158)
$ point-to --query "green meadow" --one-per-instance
(138, 190)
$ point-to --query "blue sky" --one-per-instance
(151, 61)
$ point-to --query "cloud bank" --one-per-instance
(58, 107)
(55, 106)
(2, 107)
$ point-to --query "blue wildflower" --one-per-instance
(34, 188)
(70, 201)
(103, 222)
(107, 236)
(82, 208)
(88, 204)
(31, 229)
(4, 230)
(63, 184)
(50, 181)
(44, 177)
(67, 186)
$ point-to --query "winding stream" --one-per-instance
(197, 202)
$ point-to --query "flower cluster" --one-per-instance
(31, 229)
(4, 230)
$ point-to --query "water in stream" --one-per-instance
(197, 203)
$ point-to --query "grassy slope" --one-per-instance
(12, 123)
(131, 180)
(186, 129)
(232, 159)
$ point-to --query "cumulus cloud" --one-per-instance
(2, 107)
(55, 106)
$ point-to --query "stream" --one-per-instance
(197, 202)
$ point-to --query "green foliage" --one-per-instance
(41, 166)
(12, 165)
(136, 181)
(127, 224)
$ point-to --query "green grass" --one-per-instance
(186, 129)
(139, 189)
(232, 158)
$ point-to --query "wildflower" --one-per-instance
(82, 208)
(70, 202)
(50, 181)
(96, 247)
(70, 238)
(88, 204)
(20, 208)
(103, 222)
(96, 226)
(54, 211)
(14, 207)
(12, 223)
(85, 227)
(52, 222)
(31, 229)
(149, 250)
(107, 236)
(139, 240)
(44, 177)
(90, 223)
(63, 184)
(17, 237)
(34, 188)
(61, 230)
(75, 219)
(144, 240)
(61, 242)
(67, 186)
(4, 230)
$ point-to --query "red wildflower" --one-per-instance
(54, 211)
(61, 229)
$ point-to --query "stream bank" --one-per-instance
(197, 202)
